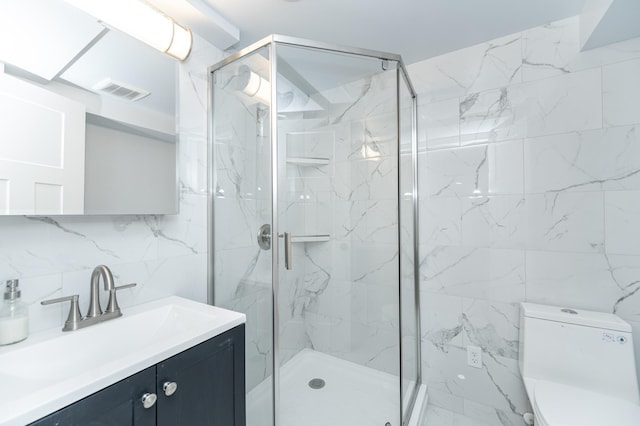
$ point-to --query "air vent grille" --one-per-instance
(120, 89)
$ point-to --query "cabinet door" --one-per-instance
(118, 405)
(210, 384)
(42, 150)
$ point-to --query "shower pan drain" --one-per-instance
(316, 383)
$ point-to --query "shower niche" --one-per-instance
(309, 156)
(313, 180)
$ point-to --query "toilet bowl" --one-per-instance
(578, 367)
(555, 404)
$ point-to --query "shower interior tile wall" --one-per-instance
(164, 255)
(530, 190)
(340, 299)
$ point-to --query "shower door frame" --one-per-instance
(271, 42)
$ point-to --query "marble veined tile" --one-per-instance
(554, 49)
(624, 272)
(554, 105)
(371, 221)
(486, 414)
(369, 96)
(441, 320)
(41, 245)
(549, 49)
(484, 66)
(493, 326)
(374, 263)
(622, 213)
(605, 55)
(439, 221)
(437, 416)
(374, 178)
(603, 159)
(454, 172)
(475, 415)
(440, 123)
(496, 386)
(601, 282)
(35, 290)
(621, 93)
(494, 221)
(566, 221)
(236, 223)
(473, 171)
(476, 272)
(446, 400)
(441, 372)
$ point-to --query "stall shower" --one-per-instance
(313, 230)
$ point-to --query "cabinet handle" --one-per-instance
(169, 388)
(149, 400)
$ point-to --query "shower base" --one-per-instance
(352, 395)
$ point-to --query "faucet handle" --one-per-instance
(74, 317)
(112, 306)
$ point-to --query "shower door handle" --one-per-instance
(288, 259)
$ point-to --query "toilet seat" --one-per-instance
(561, 405)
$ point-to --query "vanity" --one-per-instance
(167, 362)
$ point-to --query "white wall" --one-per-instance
(165, 255)
(530, 190)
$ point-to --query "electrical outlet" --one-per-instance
(474, 356)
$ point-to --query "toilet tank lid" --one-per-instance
(580, 317)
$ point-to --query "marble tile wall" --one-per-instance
(165, 255)
(529, 191)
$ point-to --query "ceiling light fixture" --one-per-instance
(143, 22)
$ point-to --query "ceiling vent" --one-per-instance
(120, 89)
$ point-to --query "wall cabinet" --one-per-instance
(204, 385)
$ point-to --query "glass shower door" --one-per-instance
(241, 209)
(338, 349)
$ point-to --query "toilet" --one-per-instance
(578, 367)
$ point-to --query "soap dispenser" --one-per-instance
(14, 319)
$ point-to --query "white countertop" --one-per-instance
(53, 369)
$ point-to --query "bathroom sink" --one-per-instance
(51, 370)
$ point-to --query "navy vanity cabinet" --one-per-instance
(117, 405)
(202, 386)
(210, 384)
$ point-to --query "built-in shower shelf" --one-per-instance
(307, 161)
(318, 238)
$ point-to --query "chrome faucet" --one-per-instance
(94, 298)
(95, 315)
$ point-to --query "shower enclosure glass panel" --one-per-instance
(409, 319)
(313, 230)
(338, 201)
(241, 192)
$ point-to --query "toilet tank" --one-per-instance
(590, 350)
